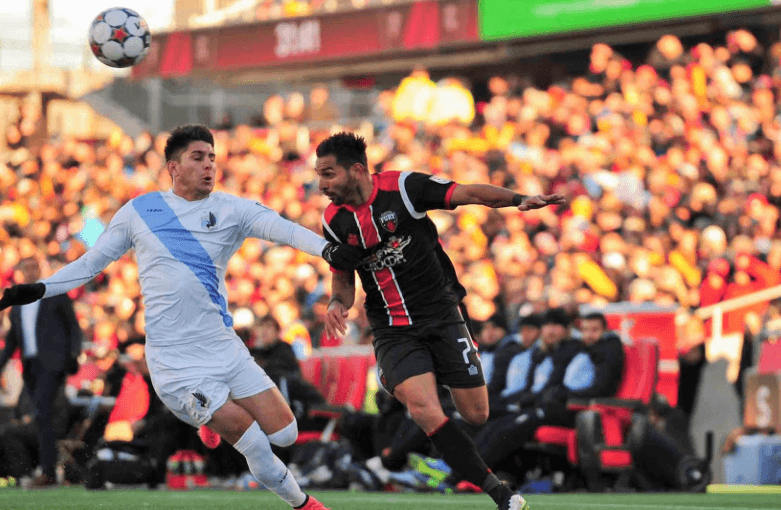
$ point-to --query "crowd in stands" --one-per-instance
(671, 168)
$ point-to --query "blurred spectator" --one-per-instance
(274, 355)
(321, 108)
(48, 336)
(496, 349)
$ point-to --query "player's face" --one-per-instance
(336, 182)
(194, 171)
(592, 331)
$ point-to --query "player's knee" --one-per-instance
(286, 436)
(476, 416)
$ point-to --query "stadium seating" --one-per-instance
(604, 446)
(343, 384)
(769, 358)
(312, 370)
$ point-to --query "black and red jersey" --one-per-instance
(407, 277)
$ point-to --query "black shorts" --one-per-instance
(444, 348)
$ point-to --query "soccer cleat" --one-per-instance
(514, 502)
(313, 504)
(409, 478)
(433, 468)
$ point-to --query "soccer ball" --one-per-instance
(119, 37)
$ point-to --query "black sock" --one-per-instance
(460, 453)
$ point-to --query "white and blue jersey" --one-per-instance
(182, 249)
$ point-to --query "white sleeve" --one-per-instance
(264, 223)
(112, 244)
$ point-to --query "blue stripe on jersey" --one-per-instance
(182, 244)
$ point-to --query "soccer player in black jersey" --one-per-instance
(412, 293)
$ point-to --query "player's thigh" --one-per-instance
(230, 421)
(456, 362)
(269, 409)
(401, 355)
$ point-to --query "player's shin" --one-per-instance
(267, 468)
(460, 453)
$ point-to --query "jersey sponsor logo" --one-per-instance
(389, 255)
(389, 221)
(472, 370)
(440, 180)
(352, 239)
(152, 210)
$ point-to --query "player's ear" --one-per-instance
(172, 166)
(358, 168)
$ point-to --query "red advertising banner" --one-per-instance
(409, 27)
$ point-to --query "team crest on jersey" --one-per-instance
(352, 239)
(389, 221)
(209, 220)
(439, 180)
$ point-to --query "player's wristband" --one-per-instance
(518, 199)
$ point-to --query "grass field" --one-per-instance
(77, 498)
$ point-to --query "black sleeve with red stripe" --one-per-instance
(328, 215)
(427, 192)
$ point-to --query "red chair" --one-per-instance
(312, 370)
(604, 443)
(769, 358)
(344, 388)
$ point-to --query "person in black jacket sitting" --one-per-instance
(520, 412)
(506, 349)
(558, 369)
(271, 352)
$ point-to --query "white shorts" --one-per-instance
(195, 379)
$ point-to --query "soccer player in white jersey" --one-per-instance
(183, 239)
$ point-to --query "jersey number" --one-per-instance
(466, 349)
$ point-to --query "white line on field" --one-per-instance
(538, 503)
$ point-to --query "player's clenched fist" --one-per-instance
(342, 256)
(23, 294)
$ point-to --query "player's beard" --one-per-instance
(349, 194)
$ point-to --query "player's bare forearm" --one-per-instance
(495, 197)
(482, 194)
(343, 288)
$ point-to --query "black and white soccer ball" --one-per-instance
(119, 37)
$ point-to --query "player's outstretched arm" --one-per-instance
(111, 244)
(267, 224)
(342, 299)
(495, 197)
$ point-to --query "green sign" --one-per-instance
(508, 19)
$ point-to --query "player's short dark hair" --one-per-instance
(182, 136)
(595, 316)
(348, 148)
